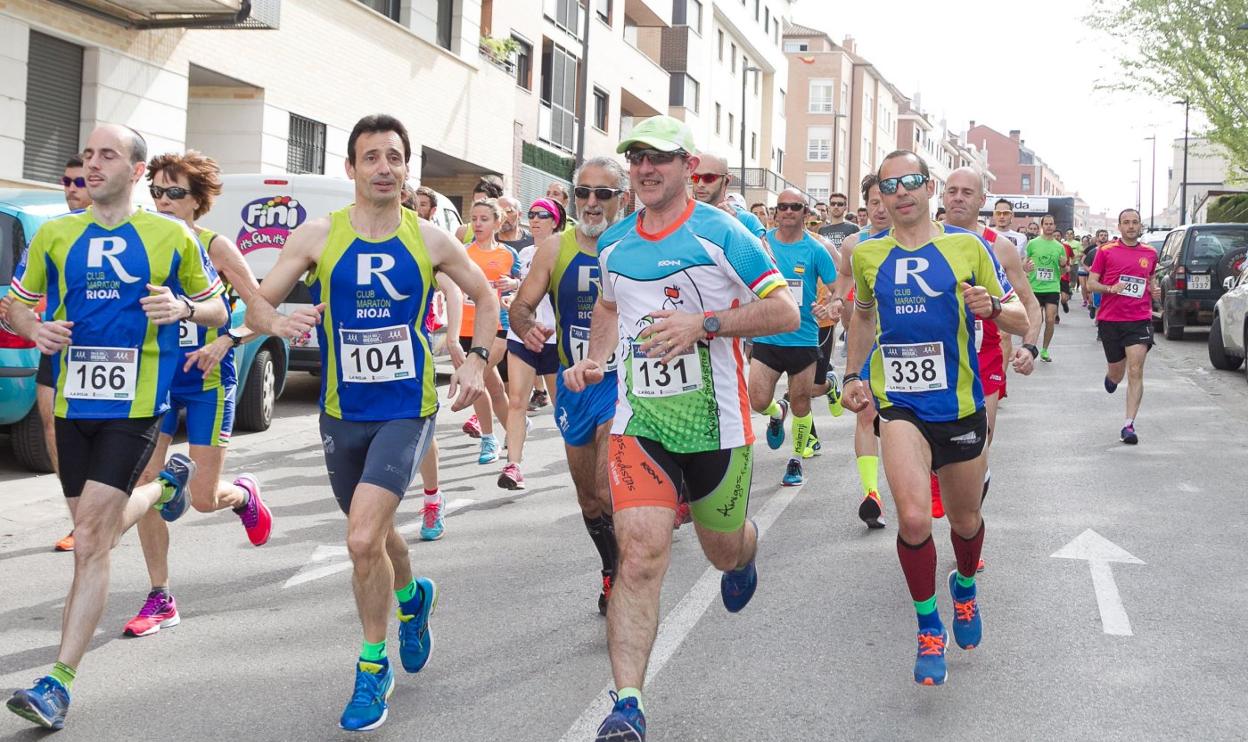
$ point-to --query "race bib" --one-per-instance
(653, 378)
(188, 334)
(797, 287)
(377, 355)
(578, 340)
(1133, 286)
(1044, 274)
(109, 374)
(914, 367)
(979, 335)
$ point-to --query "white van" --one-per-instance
(259, 211)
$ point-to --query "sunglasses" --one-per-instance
(656, 158)
(540, 214)
(601, 193)
(911, 182)
(837, 204)
(790, 207)
(175, 193)
(707, 178)
(78, 182)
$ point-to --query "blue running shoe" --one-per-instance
(625, 723)
(968, 628)
(45, 704)
(1110, 386)
(929, 664)
(792, 474)
(737, 586)
(489, 450)
(775, 426)
(178, 473)
(415, 638)
(1128, 435)
(367, 709)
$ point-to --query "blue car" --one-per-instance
(262, 364)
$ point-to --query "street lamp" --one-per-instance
(745, 77)
(1187, 107)
(1152, 186)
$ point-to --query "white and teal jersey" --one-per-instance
(803, 264)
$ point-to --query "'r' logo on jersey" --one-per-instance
(370, 265)
(100, 249)
(914, 267)
(586, 278)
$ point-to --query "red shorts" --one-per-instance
(992, 370)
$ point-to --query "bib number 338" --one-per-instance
(377, 355)
(915, 367)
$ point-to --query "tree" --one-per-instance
(1229, 209)
(1186, 49)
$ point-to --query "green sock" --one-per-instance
(869, 472)
(773, 410)
(371, 652)
(926, 607)
(801, 433)
(407, 592)
(63, 674)
(634, 693)
(965, 581)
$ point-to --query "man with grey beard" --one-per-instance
(566, 268)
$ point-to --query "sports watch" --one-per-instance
(710, 325)
(482, 353)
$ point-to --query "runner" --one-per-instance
(1094, 297)
(803, 262)
(864, 216)
(118, 280)
(546, 218)
(565, 272)
(760, 210)
(866, 443)
(915, 281)
(836, 231)
(681, 284)
(1003, 225)
(1123, 272)
(1049, 258)
(485, 188)
(836, 228)
(184, 187)
(710, 186)
(1064, 286)
(371, 267)
(425, 202)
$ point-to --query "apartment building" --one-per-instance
(1019, 169)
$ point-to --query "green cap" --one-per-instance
(663, 133)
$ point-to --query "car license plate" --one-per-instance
(1199, 281)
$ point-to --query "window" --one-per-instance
(445, 16)
(757, 77)
(796, 46)
(732, 127)
(756, 16)
(718, 112)
(819, 186)
(766, 20)
(524, 63)
(779, 161)
(601, 105)
(684, 91)
(733, 47)
(305, 146)
(844, 96)
(53, 106)
(695, 16)
(557, 120)
(719, 35)
(822, 93)
(692, 94)
(784, 97)
(870, 108)
(388, 8)
(754, 144)
(819, 144)
(1026, 185)
(566, 14)
(603, 9)
(688, 13)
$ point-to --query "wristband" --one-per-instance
(190, 307)
(480, 352)
(1033, 350)
(996, 308)
(235, 340)
(850, 377)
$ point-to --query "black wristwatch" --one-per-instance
(190, 306)
(710, 325)
(1033, 350)
(483, 353)
(237, 340)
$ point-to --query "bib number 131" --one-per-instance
(377, 355)
(653, 378)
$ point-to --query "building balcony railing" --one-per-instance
(762, 178)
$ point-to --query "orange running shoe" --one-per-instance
(65, 544)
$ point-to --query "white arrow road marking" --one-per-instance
(1099, 553)
(338, 552)
(678, 624)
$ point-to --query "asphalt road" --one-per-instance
(266, 646)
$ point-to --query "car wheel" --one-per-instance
(255, 407)
(1169, 329)
(1217, 349)
(29, 445)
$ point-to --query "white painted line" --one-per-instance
(1190, 489)
(1099, 552)
(677, 626)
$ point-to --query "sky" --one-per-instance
(986, 61)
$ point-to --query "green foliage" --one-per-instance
(1229, 209)
(1186, 49)
(500, 49)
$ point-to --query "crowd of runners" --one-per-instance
(648, 308)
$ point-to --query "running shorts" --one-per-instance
(111, 452)
(385, 453)
(642, 473)
(579, 414)
(209, 415)
(546, 362)
(951, 442)
(992, 370)
(1115, 337)
(43, 377)
(786, 359)
(1065, 285)
(1053, 298)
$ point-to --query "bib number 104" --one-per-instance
(377, 355)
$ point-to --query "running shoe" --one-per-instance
(46, 703)
(65, 544)
(737, 586)
(792, 474)
(177, 474)
(683, 515)
(432, 528)
(870, 510)
(929, 663)
(511, 478)
(1110, 386)
(255, 515)
(539, 400)
(1044, 355)
(472, 427)
(834, 395)
(980, 567)
(604, 597)
(1066, 307)
(367, 709)
(775, 426)
(625, 723)
(1057, 320)
(968, 628)
(1128, 435)
(415, 637)
(159, 611)
(813, 448)
(489, 450)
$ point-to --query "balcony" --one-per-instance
(762, 179)
(148, 14)
(649, 12)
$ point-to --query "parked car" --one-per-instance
(1195, 261)
(261, 366)
(1228, 337)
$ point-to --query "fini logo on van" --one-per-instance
(267, 222)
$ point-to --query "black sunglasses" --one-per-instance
(601, 193)
(636, 156)
(837, 204)
(791, 207)
(174, 193)
(540, 214)
(911, 182)
(79, 182)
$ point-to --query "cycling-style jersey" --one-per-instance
(706, 261)
(499, 262)
(1047, 256)
(803, 265)
(192, 337)
(118, 364)
(376, 362)
(925, 335)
